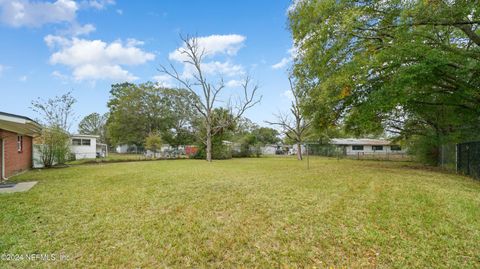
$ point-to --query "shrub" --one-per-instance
(54, 146)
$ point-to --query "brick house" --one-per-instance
(16, 137)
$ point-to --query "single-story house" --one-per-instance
(353, 146)
(271, 149)
(126, 148)
(87, 147)
(16, 136)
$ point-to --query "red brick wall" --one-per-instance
(16, 161)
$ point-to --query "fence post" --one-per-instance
(308, 155)
(468, 159)
(456, 157)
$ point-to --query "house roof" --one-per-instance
(84, 136)
(359, 141)
(16, 116)
(19, 124)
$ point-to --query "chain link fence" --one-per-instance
(468, 159)
(328, 150)
(447, 157)
(463, 158)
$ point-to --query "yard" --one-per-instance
(267, 212)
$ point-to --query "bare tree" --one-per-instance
(207, 94)
(56, 111)
(295, 128)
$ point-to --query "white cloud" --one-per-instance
(213, 45)
(292, 54)
(60, 76)
(164, 80)
(78, 30)
(53, 41)
(119, 11)
(282, 63)
(98, 4)
(223, 68)
(214, 68)
(96, 59)
(23, 78)
(288, 94)
(18, 13)
(112, 72)
(233, 83)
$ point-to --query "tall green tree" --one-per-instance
(138, 110)
(182, 117)
(94, 124)
(226, 126)
(408, 67)
(153, 142)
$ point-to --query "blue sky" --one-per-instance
(51, 47)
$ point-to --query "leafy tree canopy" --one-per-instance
(409, 67)
(94, 124)
(138, 110)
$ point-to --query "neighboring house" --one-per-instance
(16, 136)
(125, 148)
(86, 147)
(270, 149)
(293, 150)
(352, 146)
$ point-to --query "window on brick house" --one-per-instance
(19, 143)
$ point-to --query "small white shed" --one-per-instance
(86, 147)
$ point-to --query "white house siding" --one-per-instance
(294, 148)
(269, 150)
(122, 148)
(84, 151)
(37, 157)
(368, 149)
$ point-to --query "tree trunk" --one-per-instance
(299, 151)
(209, 143)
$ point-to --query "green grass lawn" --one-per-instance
(266, 212)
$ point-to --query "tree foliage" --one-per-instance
(226, 126)
(94, 124)
(207, 92)
(56, 112)
(56, 116)
(138, 110)
(408, 67)
(153, 142)
(53, 146)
